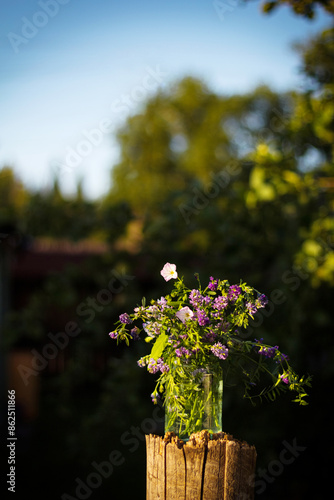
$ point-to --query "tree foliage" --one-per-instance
(305, 8)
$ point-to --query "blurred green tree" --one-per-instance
(305, 8)
(13, 197)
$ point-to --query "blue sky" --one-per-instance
(72, 71)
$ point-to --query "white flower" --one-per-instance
(184, 314)
(169, 271)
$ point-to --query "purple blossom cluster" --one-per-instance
(251, 307)
(141, 362)
(261, 301)
(202, 317)
(113, 335)
(213, 285)
(220, 303)
(268, 352)
(234, 292)
(163, 367)
(182, 351)
(135, 333)
(162, 303)
(152, 329)
(152, 311)
(153, 366)
(125, 318)
(219, 350)
(197, 300)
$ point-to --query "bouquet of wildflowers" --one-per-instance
(191, 329)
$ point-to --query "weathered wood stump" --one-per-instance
(220, 468)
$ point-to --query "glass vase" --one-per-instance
(194, 400)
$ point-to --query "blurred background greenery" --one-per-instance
(230, 186)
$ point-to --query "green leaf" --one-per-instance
(159, 346)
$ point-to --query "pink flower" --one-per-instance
(169, 271)
(184, 314)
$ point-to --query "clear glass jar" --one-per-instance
(194, 401)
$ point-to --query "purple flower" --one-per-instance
(152, 366)
(162, 303)
(155, 366)
(135, 333)
(196, 298)
(251, 307)
(113, 335)
(183, 351)
(202, 318)
(213, 284)
(163, 367)
(268, 352)
(284, 379)
(261, 301)
(220, 302)
(142, 362)
(219, 350)
(125, 318)
(152, 329)
(234, 292)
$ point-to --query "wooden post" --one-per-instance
(220, 468)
